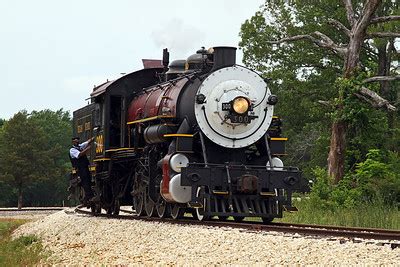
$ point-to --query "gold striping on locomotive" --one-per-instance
(101, 159)
(178, 135)
(150, 119)
(279, 139)
(220, 192)
(272, 194)
(120, 149)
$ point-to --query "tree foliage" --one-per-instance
(57, 130)
(34, 157)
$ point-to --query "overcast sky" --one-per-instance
(52, 53)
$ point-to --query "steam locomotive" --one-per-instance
(191, 136)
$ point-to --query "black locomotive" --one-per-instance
(195, 135)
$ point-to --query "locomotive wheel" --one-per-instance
(138, 204)
(194, 214)
(224, 203)
(200, 212)
(177, 211)
(149, 207)
(109, 210)
(97, 208)
(117, 207)
(107, 198)
(81, 195)
(163, 208)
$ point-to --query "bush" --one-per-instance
(375, 179)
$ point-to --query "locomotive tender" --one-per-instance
(196, 135)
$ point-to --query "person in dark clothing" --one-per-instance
(80, 163)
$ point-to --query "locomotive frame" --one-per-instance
(152, 152)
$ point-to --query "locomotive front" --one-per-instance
(239, 173)
(223, 141)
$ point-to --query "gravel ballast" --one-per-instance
(81, 240)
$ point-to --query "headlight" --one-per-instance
(240, 105)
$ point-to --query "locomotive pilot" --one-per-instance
(80, 163)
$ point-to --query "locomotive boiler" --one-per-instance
(192, 136)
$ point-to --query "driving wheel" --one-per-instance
(177, 211)
(162, 208)
(149, 206)
(138, 203)
(201, 211)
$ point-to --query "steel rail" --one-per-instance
(343, 228)
(304, 229)
(33, 209)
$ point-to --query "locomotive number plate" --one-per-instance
(226, 106)
(241, 118)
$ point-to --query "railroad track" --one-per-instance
(391, 237)
(32, 209)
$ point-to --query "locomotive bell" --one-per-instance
(195, 62)
(175, 68)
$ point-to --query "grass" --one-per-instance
(368, 215)
(372, 215)
(23, 251)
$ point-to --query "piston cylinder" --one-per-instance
(155, 133)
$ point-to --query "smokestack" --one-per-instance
(224, 56)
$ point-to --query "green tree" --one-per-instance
(56, 126)
(23, 159)
(7, 194)
(322, 52)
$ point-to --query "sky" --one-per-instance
(52, 53)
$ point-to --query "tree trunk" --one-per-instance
(20, 197)
(353, 56)
(337, 149)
